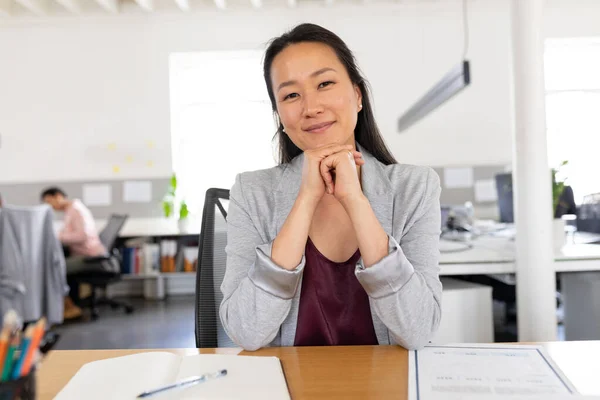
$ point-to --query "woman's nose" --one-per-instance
(312, 106)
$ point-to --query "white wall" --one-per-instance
(81, 94)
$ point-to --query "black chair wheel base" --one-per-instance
(128, 309)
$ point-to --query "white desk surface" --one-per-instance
(488, 255)
(147, 227)
(496, 255)
(153, 227)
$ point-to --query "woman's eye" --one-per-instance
(325, 84)
(291, 96)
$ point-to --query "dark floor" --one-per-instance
(153, 324)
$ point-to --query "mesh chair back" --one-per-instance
(211, 270)
(110, 233)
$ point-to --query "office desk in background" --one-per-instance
(577, 265)
(147, 227)
(154, 285)
(496, 255)
(488, 255)
(353, 372)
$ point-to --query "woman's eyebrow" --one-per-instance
(314, 74)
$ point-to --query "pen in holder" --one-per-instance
(19, 389)
(20, 352)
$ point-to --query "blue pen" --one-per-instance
(16, 372)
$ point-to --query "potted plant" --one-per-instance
(558, 185)
(168, 202)
(169, 205)
(183, 222)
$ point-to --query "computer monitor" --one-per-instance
(504, 187)
(445, 213)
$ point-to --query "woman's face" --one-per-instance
(316, 101)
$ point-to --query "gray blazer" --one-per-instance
(32, 265)
(260, 299)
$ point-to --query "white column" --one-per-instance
(536, 284)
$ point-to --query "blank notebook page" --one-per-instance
(121, 377)
(247, 378)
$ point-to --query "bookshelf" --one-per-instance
(153, 282)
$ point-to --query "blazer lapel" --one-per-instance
(377, 187)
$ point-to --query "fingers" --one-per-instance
(358, 158)
(326, 151)
(330, 163)
(326, 169)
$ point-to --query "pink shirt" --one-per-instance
(79, 231)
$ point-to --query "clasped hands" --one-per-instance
(331, 170)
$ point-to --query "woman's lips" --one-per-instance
(319, 128)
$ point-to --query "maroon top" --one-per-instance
(334, 308)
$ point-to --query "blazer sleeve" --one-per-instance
(404, 286)
(257, 293)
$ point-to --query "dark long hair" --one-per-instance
(366, 132)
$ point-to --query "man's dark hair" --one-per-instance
(52, 191)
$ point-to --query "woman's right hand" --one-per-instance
(313, 186)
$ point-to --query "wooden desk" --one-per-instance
(359, 372)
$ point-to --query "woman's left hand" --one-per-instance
(340, 175)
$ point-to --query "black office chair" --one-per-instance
(210, 272)
(101, 271)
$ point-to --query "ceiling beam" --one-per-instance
(111, 6)
(221, 4)
(146, 5)
(184, 5)
(39, 7)
(73, 6)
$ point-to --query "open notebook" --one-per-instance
(124, 378)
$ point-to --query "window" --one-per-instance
(221, 120)
(572, 69)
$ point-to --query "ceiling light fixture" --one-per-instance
(452, 83)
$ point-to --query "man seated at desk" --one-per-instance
(78, 236)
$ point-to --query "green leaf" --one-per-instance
(183, 210)
(557, 186)
(173, 183)
(167, 208)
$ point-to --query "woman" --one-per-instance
(338, 245)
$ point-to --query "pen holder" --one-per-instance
(19, 389)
